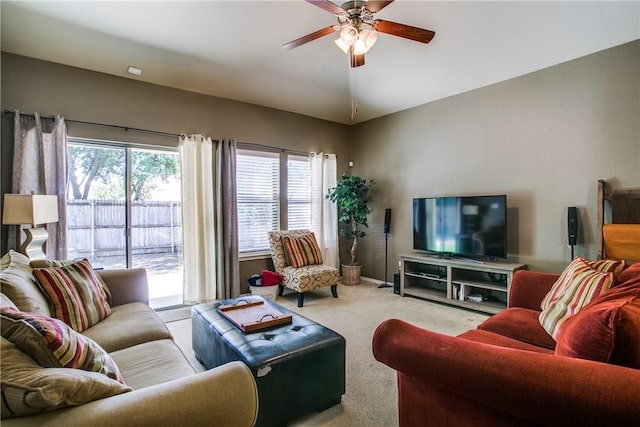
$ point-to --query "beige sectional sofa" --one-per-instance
(165, 389)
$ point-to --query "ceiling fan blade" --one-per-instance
(377, 6)
(326, 5)
(355, 60)
(308, 38)
(402, 30)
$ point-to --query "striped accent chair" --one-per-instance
(304, 278)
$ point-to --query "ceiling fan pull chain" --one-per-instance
(353, 82)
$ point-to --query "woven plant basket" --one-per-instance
(351, 274)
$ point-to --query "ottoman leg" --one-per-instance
(300, 299)
(334, 291)
(280, 290)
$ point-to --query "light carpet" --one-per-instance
(371, 390)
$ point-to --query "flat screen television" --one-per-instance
(469, 227)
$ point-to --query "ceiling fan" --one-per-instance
(358, 29)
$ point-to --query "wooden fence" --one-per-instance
(97, 227)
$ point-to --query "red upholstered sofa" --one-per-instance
(506, 372)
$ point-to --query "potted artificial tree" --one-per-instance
(352, 194)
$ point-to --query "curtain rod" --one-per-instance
(168, 134)
(270, 148)
(81, 122)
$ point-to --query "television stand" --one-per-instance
(477, 261)
(473, 284)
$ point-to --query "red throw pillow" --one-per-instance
(605, 330)
(630, 275)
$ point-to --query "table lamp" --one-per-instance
(31, 209)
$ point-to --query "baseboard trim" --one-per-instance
(368, 279)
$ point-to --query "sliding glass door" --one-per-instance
(124, 212)
(156, 225)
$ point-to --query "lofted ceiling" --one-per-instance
(232, 49)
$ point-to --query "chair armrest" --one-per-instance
(223, 396)
(542, 388)
(528, 288)
(126, 285)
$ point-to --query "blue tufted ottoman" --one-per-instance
(299, 368)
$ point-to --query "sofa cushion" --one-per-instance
(19, 285)
(28, 388)
(5, 301)
(606, 330)
(77, 294)
(303, 250)
(128, 325)
(521, 324)
(152, 363)
(486, 337)
(53, 344)
(578, 285)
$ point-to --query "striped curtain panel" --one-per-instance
(40, 167)
(228, 267)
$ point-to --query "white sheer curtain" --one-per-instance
(198, 166)
(40, 167)
(324, 214)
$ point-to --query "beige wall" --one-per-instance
(47, 88)
(543, 139)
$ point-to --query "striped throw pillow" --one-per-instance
(53, 344)
(603, 266)
(614, 266)
(76, 293)
(303, 250)
(49, 263)
(29, 389)
(578, 285)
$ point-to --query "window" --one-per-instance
(298, 192)
(258, 196)
(273, 192)
(123, 210)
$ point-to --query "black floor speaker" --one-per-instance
(572, 225)
(396, 283)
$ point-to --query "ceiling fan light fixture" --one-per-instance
(349, 34)
(366, 39)
(359, 47)
(342, 45)
(369, 37)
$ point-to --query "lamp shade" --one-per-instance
(31, 209)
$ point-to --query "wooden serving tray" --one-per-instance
(251, 316)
